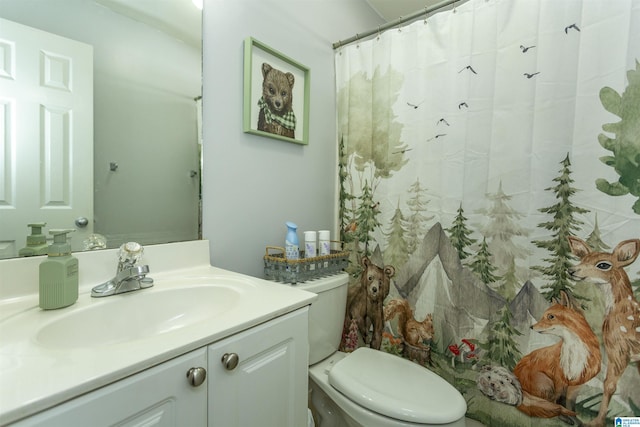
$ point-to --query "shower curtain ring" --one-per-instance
(400, 20)
(378, 38)
(426, 13)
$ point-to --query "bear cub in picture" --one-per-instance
(276, 111)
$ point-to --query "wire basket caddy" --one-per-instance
(281, 269)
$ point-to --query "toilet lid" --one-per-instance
(396, 387)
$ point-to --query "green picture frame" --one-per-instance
(281, 111)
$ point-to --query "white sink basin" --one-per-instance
(138, 315)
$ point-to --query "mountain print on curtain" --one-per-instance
(490, 177)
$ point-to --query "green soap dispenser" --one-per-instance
(36, 242)
(59, 273)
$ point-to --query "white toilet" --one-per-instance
(369, 388)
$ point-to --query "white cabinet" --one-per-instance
(268, 386)
(158, 397)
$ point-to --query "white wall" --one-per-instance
(253, 184)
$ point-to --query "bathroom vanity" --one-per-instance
(202, 347)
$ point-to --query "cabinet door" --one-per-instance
(158, 397)
(268, 386)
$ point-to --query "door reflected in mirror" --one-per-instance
(144, 170)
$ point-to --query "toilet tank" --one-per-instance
(326, 315)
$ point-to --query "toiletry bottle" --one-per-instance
(58, 274)
(324, 244)
(292, 250)
(36, 242)
(310, 244)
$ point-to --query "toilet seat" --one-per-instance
(397, 388)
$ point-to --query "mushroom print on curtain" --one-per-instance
(490, 198)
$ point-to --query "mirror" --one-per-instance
(145, 171)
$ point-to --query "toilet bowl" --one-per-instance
(369, 388)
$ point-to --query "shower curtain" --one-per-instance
(490, 181)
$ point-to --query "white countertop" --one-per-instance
(35, 377)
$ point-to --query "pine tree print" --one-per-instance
(416, 223)
(482, 266)
(501, 348)
(345, 214)
(501, 232)
(509, 283)
(459, 234)
(366, 218)
(594, 241)
(564, 223)
(396, 253)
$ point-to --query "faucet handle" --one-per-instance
(129, 254)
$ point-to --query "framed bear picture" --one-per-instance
(276, 94)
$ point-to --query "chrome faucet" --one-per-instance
(129, 276)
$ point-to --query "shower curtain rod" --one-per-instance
(396, 22)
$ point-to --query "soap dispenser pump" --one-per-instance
(59, 273)
(36, 242)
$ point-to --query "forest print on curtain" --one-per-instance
(490, 175)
